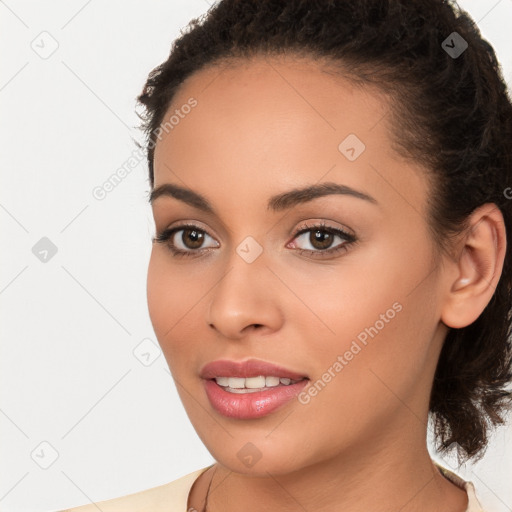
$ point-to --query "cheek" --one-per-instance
(171, 297)
(349, 298)
(390, 369)
(381, 324)
(358, 385)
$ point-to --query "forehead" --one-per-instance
(281, 122)
(285, 87)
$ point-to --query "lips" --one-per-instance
(246, 369)
(229, 387)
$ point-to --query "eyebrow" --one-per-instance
(279, 202)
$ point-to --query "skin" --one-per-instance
(266, 126)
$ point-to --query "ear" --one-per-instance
(477, 269)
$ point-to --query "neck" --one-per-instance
(393, 474)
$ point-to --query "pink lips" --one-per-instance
(249, 405)
(249, 368)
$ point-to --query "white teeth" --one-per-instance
(258, 382)
(222, 381)
(236, 382)
(255, 382)
(271, 382)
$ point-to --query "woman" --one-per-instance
(330, 275)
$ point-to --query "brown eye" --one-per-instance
(321, 238)
(192, 238)
(189, 243)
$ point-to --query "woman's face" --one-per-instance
(357, 314)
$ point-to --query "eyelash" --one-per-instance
(164, 237)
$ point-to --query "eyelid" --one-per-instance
(168, 232)
(295, 232)
(348, 238)
(322, 224)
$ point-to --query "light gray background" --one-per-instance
(68, 374)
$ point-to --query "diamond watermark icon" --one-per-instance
(351, 147)
(147, 352)
(44, 455)
(44, 250)
(249, 455)
(45, 45)
(454, 45)
(249, 249)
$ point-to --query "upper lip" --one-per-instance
(248, 368)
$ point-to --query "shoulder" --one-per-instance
(473, 503)
(156, 499)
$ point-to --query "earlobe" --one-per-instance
(478, 269)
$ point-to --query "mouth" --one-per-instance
(253, 384)
(250, 389)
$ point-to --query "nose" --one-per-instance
(247, 297)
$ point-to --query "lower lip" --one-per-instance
(245, 406)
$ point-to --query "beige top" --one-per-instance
(173, 496)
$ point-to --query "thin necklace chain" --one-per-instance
(208, 491)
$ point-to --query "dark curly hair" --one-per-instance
(450, 113)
